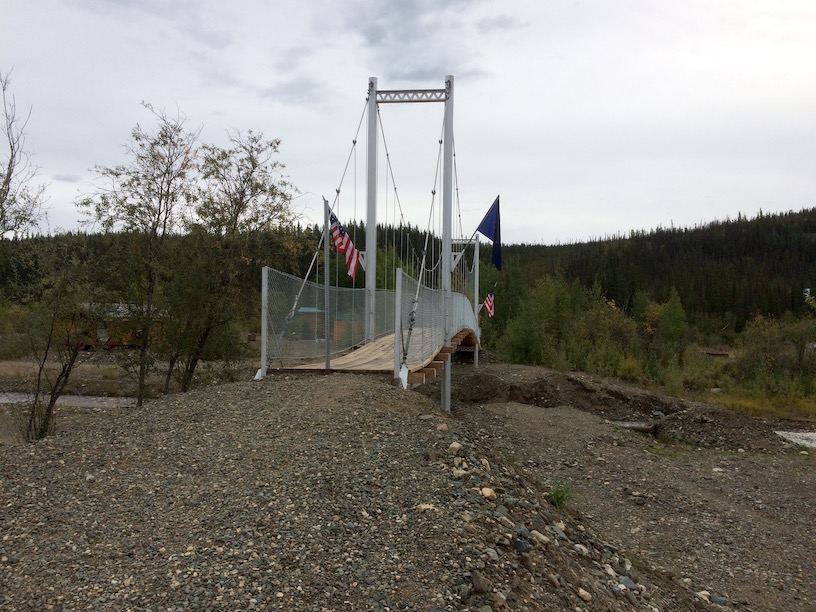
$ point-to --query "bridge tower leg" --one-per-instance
(371, 216)
(397, 96)
(447, 224)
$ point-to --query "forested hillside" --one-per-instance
(724, 272)
(109, 261)
(655, 306)
(639, 307)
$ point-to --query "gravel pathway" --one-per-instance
(303, 492)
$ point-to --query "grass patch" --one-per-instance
(509, 457)
(779, 407)
(664, 436)
(669, 451)
(14, 346)
(561, 495)
(105, 379)
(102, 375)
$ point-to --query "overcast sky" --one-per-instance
(589, 118)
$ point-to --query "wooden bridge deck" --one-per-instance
(378, 356)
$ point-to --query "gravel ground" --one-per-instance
(317, 492)
(713, 499)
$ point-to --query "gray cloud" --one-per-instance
(417, 40)
(600, 116)
(500, 23)
(212, 39)
(67, 178)
(295, 91)
(291, 58)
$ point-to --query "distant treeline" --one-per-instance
(725, 272)
(109, 260)
(108, 257)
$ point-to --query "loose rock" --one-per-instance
(488, 493)
(480, 583)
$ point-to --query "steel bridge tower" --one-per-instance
(376, 97)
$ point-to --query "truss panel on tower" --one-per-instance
(412, 95)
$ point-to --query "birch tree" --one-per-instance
(20, 197)
(242, 192)
(146, 197)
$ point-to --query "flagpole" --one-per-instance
(476, 301)
(491, 289)
(326, 255)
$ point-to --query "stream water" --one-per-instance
(803, 438)
(80, 401)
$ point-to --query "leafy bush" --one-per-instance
(561, 495)
(13, 342)
(777, 356)
(630, 369)
(536, 336)
(14, 346)
(565, 326)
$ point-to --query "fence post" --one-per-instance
(398, 326)
(476, 302)
(264, 322)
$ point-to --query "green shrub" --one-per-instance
(14, 346)
(14, 342)
(561, 495)
(630, 369)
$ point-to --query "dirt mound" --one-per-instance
(540, 387)
(671, 418)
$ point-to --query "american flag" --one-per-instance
(488, 304)
(345, 245)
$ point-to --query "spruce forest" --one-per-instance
(725, 272)
(722, 311)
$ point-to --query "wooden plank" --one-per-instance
(378, 356)
(416, 378)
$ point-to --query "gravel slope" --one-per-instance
(315, 492)
(713, 499)
(306, 493)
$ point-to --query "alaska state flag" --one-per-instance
(490, 228)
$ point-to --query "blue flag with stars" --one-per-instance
(490, 228)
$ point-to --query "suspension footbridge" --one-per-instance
(408, 323)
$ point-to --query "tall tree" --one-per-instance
(243, 189)
(20, 198)
(242, 193)
(146, 198)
